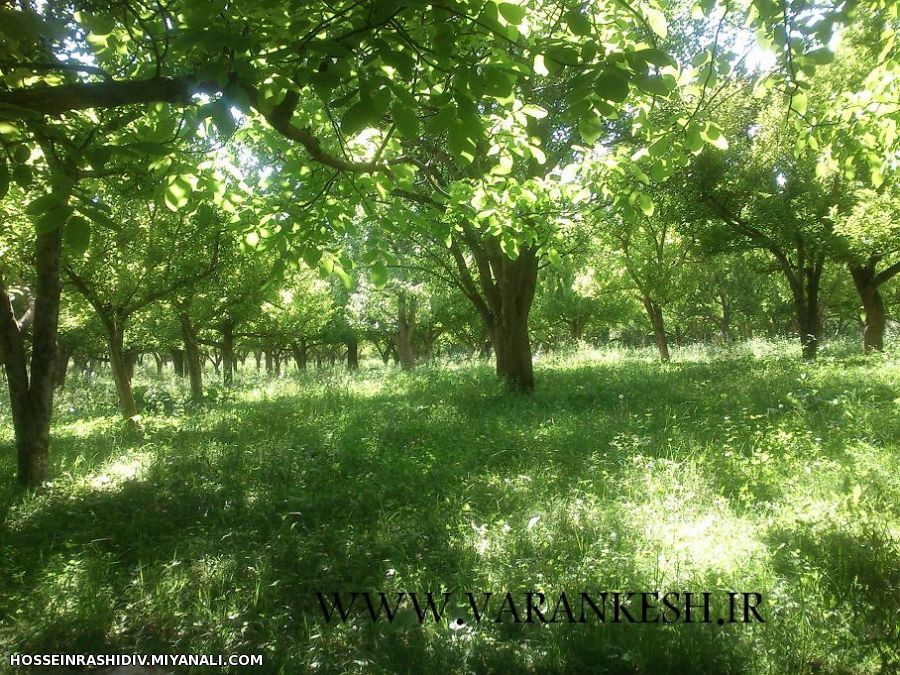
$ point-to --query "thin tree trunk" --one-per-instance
(873, 305)
(120, 370)
(300, 356)
(406, 323)
(228, 363)
(61, 367)
(192, 356)
(270, 363)
(178, 362)
(655, 313)
(353, 354)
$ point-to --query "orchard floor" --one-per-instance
(210, 529)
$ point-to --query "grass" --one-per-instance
(211, 529)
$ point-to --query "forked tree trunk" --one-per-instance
(503, 297)
(406, 324)
(655, 313)
(31, 398)
(192, 355)
(876, 320)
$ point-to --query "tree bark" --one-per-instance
(228, 363)
(31, 398)
(270, 363)
(353, 354)
(300, 355)
(654, 311)
(864, 278)
(178, 362)
(406, 324)
(120, 369)
(61, 367)
(192, 355)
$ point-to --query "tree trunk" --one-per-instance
(353, 354)
(512, 296)
(808, 314)
(873, 305)
(178, 362)
(228, 355)
(158, 360)
(192, 356)
(270, 363)
(300, 356)
(61, 367)
(406, 324)
(120, 369)
(31, 401)
(654, 311)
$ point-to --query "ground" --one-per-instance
(210, 529)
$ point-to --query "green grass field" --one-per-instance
(210, 529)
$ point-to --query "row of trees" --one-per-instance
(197, 155)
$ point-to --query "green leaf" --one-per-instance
(45, 203)
(99, 217)
(820, 57)
(222, 118)
(496, 82)
(693, 140)
(590, 128)
(645, 203)
(578, 23)
(612, 86)
(799, 103)
(4, 178)
(514, 14)
(657, 21)
(405, 119)
(77, 235)
(22, 174)
(379, 274)
(357, 117)
(53, 219)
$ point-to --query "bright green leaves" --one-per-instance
(799, 102)
(693, 141)
(713, 135)
(77, 235)
(379, 273)
(657, 22)
(591, 128)
(645, 204)
(578, 23)
(514, 14)
(178, 191)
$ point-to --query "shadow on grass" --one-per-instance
(237, 516)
